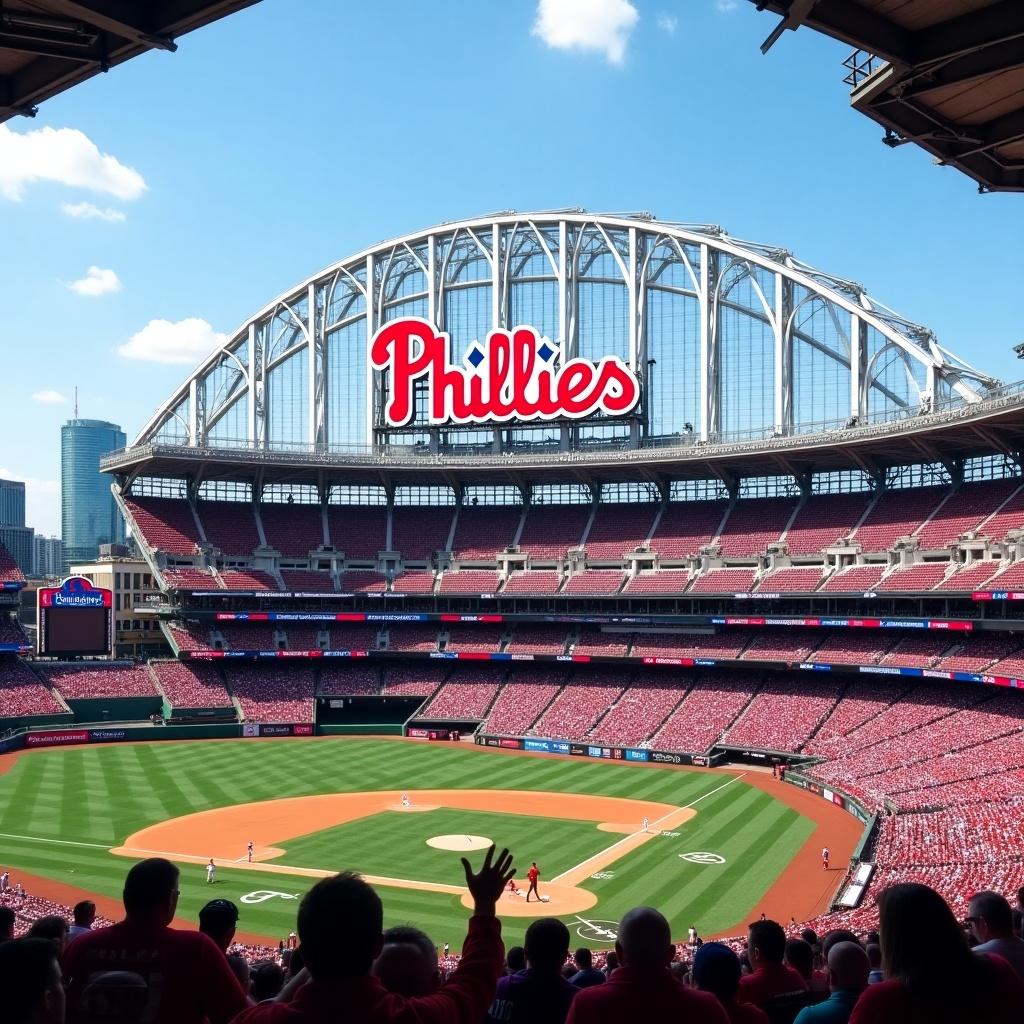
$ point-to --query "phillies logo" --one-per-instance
(509, 377)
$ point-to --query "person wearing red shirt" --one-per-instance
(716, 969)
(932, 977)
(766, 946)
(532, 875)
(341, 932)
(643, 988)
(183, 977)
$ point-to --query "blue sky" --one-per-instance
(287, 136)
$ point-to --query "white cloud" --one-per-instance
(160, 341)
(42, 501)
(601, 25)
(87, 211)
(64, 155)
(97, 281)
(48, 397)
(668, 23)
(726, 6)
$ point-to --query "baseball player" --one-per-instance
(211, 870)
(824, 858)
(249, 851)
(646, 824)
(533, 874)
(405, 800)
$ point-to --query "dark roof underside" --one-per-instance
(947, 75)
(47, 46)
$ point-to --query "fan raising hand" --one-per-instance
(487, 884)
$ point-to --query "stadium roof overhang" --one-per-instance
(47, 46)
(947, 75)
(995, 426)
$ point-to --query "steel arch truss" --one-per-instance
(729, 338)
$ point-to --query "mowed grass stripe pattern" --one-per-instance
(102, 794)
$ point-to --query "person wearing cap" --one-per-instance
(218, 919)
(716, 969)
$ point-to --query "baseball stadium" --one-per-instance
(682, 568)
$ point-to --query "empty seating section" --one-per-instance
(754, 523)
(795, 579)
(664, 581)
(484, 530)
(295, 530)
(229, 526)
(247, 579)
(1009, 579)
(724, 581)
(538, 581)
(823, 520)
(273, 695)
(411, 680)
(922, 576)
(964, 511)
(726, 644)
(550, 530)
(362, 581)
(412, 638)
(80, 682)
(469, 581)
(474, 638)
(638, 713)
(783, 644)
(413, 583)
(577, 707)
(246, 636)
(783, 715)
(308, 581)
(22, 693)
(619, 527)
(522, 700)
(602, 644)
(856, 580)
(351, 636)
(349, 681)
(191, 685)
(1009, 517)
(189, 636)
(687, 526)
(979, 653)
(178, 578)
(539, 639)
(971, 577)
(918, 651)
(854, 647)
(467, 694)
(704, 714)
(360, 531)
(418, 531)
(165, 524)
(897, 513)
(593, 582)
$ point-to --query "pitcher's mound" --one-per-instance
(460, 843)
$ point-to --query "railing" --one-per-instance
(862, 64)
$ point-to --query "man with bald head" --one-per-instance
(847, 978)
(642, 987)
(407, 963)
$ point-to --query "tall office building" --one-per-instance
(89, 515)
(49, 560)
(14, 534)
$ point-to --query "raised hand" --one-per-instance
(487, 885)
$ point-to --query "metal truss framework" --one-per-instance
(730, 339)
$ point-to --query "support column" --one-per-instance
(317, 364)
(858, 369)
(709, 358)
(257, 390)
(374, 399)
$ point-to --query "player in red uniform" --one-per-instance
(533, 874)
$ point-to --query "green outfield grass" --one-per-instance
(61, 810)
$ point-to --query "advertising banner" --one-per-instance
(302, 729)
(420, 734)
(509, 744)
(106, 735)
(275, 729)
(63, 738)
(250, 729)
(636, 755)
(541, 746)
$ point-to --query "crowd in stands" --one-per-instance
(922, 962)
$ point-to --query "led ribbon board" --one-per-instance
(74, 618)
(511, 376)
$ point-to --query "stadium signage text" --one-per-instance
(511, 376)
(75, 592)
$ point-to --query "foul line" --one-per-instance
(58, 842)
(603, 854)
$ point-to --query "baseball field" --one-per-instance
(719, 848)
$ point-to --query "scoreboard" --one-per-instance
(74, 618)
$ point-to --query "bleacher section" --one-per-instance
(229, 526)
(99, 680)
(165, 524)
(419, 532)
(23, 693)
(360, 531)
(294, 530)
(190, 685)
(550, 530)
(618, 528)
(484, 530)
(269, 695)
